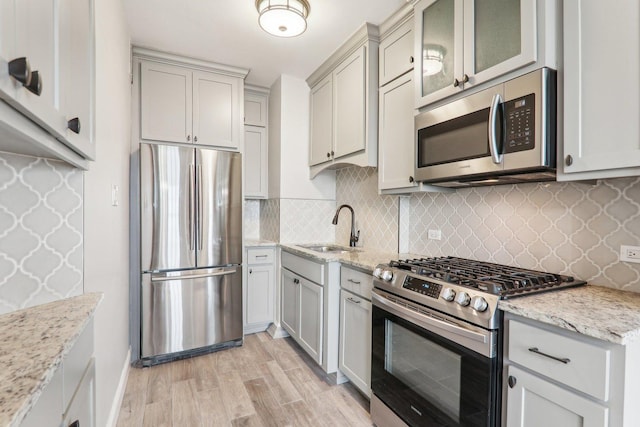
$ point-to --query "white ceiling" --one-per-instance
(227, 32)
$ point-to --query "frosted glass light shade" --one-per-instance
(283, 18)
(432, 59)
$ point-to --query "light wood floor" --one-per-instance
(265, 382)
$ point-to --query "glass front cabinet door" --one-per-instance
(464, 43)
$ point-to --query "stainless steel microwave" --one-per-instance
(503, 134)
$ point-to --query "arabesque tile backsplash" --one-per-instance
(569, 228)
(41, 240)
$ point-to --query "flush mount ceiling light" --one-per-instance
(432, 59)
(283, 18)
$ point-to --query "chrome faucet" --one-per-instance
(353, 238)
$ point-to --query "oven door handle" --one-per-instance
(478, 341)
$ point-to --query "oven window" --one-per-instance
(426, 368)
(462, 138)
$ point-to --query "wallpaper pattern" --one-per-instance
(41, 231)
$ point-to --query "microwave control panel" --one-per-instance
(520, 124)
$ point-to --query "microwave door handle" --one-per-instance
(491, 129)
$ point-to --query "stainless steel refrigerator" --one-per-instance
(190, 251)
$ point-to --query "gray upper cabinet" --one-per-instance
(601, 128)
(344, 107)
(56, 89)
(256, 144)
(460, 44)
(189, 101)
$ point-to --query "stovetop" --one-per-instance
(464, 288)
(496, 279)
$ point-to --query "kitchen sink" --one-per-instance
(334, 249)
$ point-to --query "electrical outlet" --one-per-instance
(630, 253)
(434, 234)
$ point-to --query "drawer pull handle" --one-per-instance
(559, 359)
(353, 281)
(261, 256)
(353, 300)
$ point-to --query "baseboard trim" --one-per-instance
(122, 386)
(277, 331)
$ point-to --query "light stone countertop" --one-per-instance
(251, 243)
(33, 343)
(364, 259)
(608, 314)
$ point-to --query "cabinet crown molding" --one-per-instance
(173, 59)
(366, 33)
(396, 20)
(257, 90)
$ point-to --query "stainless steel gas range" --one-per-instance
(437, 339)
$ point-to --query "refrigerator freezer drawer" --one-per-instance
(191, 309)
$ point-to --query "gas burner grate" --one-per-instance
(497, 279)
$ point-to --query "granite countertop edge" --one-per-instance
(604, 313)
(364, 259)
(41, 374)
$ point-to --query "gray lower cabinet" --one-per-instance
(70, 395)
(259, 294)
(355, 340)
(355, 327)
(302, 312)
(554, 377)
(534, 402)
(310, 309)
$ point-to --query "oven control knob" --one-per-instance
(386, 275)
(463, 299)
(448, 294)
(478, 303)
(377, 272)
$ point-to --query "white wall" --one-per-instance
(289, 145)
(107, 227)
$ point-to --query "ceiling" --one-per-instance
(227, 32)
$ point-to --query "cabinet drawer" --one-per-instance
(75, 364)
(260, 256)
(396, 53)
(304, 267)
(358, 282)
(583, 365)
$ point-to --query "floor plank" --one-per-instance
(184, 406)
(212, 410)
(265, 403)
(264, 383)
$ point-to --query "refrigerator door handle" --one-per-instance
(191, 208)
(166, 277)
(199, 167)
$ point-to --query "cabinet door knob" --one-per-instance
(328, 155)
(568, 160)
(512, 381)
(457, 82)
(411, 179)
(195, 139)
(19, 69)
(411, 59)
(332, 153)
(250, 271)
(188, 137)
(35, 85)
(74, 125)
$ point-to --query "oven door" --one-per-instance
(423, 369)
